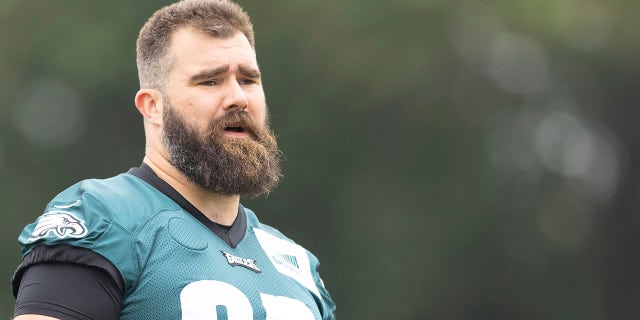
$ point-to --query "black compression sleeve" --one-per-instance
(68, 291)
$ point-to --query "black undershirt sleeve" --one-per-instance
(68, 291)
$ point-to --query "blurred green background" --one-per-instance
(444, 159)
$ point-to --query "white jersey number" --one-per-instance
(200, 300)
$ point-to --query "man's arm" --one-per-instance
(33, 317)
(67, 291)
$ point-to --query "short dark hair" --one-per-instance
(218, 18)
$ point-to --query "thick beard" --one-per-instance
(225, 165)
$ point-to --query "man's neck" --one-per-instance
(218, 208)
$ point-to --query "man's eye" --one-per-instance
(208, 83)
(247, 81)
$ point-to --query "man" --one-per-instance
(170, 239)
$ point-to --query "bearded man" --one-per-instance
(170, 239)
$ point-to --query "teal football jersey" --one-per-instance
(173, 266)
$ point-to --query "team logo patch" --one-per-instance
(60, 223)
(242, 262)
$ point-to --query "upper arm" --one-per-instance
(33, 317)
(67, 291)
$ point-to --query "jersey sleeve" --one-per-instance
(81, 217)
(68, 291)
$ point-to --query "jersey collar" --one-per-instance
(231, 235)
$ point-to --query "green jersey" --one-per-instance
(174, 264)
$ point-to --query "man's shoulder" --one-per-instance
(122, 186)
(124, 200)
(254, 223)
(121, 193)
(261, 230)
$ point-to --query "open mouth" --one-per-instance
(234, 129)
(237, 129)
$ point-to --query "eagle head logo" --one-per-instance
(61, 224)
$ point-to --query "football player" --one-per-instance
(169, 239)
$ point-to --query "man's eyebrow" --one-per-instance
(249, 72)
(209, 74)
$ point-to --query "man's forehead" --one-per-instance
(196, 45)
(188, 37)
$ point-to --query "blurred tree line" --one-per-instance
(444, 159)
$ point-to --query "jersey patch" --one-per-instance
(288, 261)
(60, 223)
(243, 262)
(288, 258)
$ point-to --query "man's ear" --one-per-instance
(149, 104)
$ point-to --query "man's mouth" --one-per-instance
(237, 130)
(234, 129)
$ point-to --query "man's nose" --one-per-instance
(235, 97)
